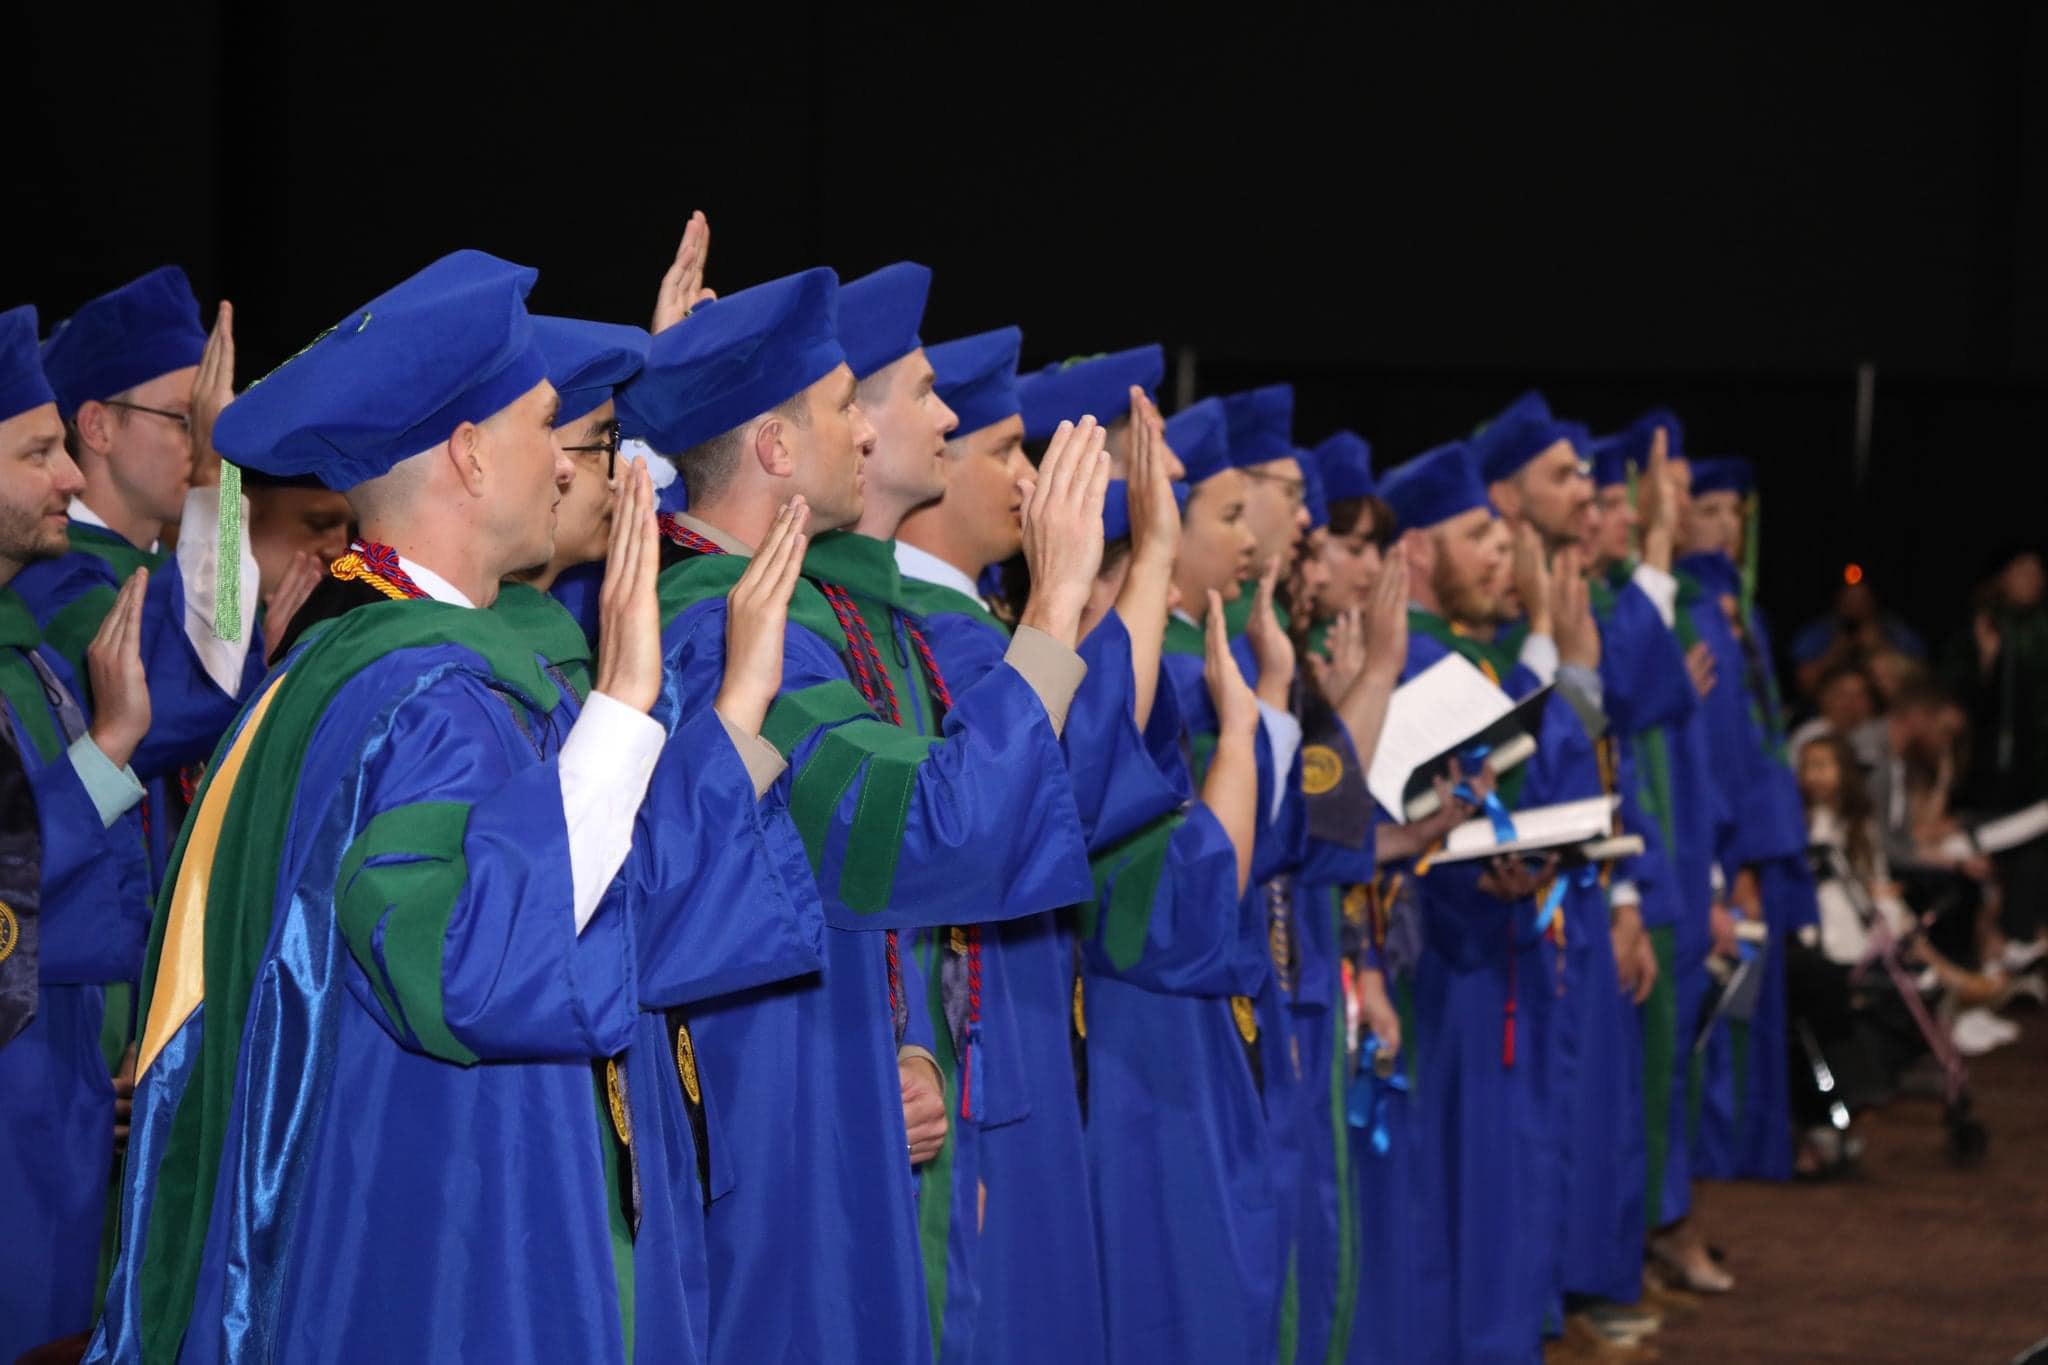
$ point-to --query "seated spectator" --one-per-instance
(1849, 706)
(1853, 633)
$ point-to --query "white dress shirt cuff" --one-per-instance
(605, 766)
(1283, 735)
(1624, 893)
(199, 564)
(1662, 590)
(1539, 656)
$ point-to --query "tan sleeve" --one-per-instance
(912, 1052)
(1053, 671)
(764, 763)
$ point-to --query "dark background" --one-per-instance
(1411, 213)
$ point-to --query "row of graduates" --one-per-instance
(900, 978)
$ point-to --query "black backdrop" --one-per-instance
(1411, 213)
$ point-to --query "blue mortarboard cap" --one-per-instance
(977, 377)
(732, 360)
(1729, 474)
(1314, 496)
(1200, 436)
(1674, 433)
(1261, 424)
(1611, 457)
(127, 336)
(22, 385)
(588, 360)
(1345, 462)
(1523, 430)
(1116, 507)
(879, 315)
(452, 344)
(1434, 487)
(1098, 386)
(1614, 456)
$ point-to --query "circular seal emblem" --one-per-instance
(1321, 769)
(1355, 902)
(686, 1064)
(10, 931)
(615, 1100)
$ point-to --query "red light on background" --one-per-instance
(1853, 574)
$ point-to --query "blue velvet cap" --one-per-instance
(1116, 507)
(1612, 456)
(22, 385)
(1313, 494)
(732, 360)
(452, 344)
(588, 360)
(1345, 462)
(1200, 435)
(879, 315)
(1674, 433)
(1261, 424)
(1523, 430)
(1097, 386)
(1729, 474)
(1434, 487)
(977, 377)
(127, 336)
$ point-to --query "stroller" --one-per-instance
(1967, 1137)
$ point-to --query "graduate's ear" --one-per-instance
(466, 455)
(771, 447)
(1418, 547)
(1506, 496)
(94, 425)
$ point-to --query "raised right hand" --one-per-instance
(757, 610)
(1532, 578)
(113, 662)
(1063, 529)
(682, 287)
(1237, 707)
(629, 666)
(1155, 516)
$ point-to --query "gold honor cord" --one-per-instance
(181, 970)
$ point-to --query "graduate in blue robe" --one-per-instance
(355, 994)
(140, 382)
(1769, 840)
(921, 806)
(81, 915)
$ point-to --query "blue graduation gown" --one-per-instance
(57, 1124)
(435, 1122)
(815, 1254)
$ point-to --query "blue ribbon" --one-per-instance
(1365, 1103)
(1470, 760)
(1587, 878)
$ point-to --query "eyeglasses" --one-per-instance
(610, 447)
(184, 420)
(1295, 489)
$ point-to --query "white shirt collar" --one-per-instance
(929, 568)
(435, 586)
(79, 512)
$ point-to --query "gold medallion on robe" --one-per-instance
(615, 1100)
(10, 931)
(686, 1064)
(1246, 1017)
(1321, 769)
(1356, 900)
(1080, 1014)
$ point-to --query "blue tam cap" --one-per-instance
(128, 336)
(1611, 457)
(1313, 494)
(1200, 436)
(732, 360)
(1614, 456)
(1261, 424)
(1116, 507)
(22, 385)
(587, 360)
(1674, 433)
(879, 315)
(1523, 430)
(453, 344)
(1097, 385)
(1434, 487)
(1730, 474)
(1345, 462)
(977, 377)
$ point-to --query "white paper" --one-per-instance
(1539, 827)
(2010, 831)
(1443, 704)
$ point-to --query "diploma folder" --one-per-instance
(1563, 828)
(1446, 710)
(2023, 826)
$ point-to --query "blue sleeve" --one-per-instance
(1168, 917)
(1122, 779)
(1644, 680)
(95, 884)
(721, 896)
(454, 893)
(989, 828)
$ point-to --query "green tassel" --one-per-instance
(227, 604)
(1752, 536)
